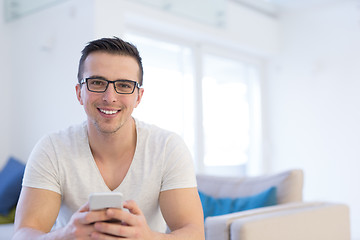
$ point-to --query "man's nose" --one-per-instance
(110, 95)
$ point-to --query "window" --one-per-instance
(225, 112)
(208, 99)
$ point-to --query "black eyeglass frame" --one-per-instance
(85, 80)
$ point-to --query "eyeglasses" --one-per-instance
(99, 85)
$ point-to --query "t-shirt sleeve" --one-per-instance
(42, 170)
(178, 171)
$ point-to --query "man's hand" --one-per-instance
(132, 224)
(81, 224)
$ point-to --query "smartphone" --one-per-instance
(98, 201)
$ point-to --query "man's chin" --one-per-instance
(108, 129)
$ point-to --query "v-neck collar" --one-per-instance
(96, 168)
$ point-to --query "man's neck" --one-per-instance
(109, 147)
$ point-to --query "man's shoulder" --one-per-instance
(152, 130)
(152, 134)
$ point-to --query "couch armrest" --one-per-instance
(284, 221)
(312, 221)
(218, 227)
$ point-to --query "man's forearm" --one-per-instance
(27, 233)
(189, 232)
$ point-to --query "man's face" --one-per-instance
(107, 112)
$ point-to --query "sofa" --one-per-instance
(290, 218)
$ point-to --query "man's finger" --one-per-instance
(93, 216)
(132, 207)
(84, 208)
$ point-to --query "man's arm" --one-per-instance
(183, 213)
(37, 211)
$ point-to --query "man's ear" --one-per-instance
(139, 97)
(78, 93)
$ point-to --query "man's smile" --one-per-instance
(108, 112)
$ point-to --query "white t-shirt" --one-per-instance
(62, 162)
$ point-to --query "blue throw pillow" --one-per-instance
(10, 184)
(220, 206)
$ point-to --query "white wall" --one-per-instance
(312, 103)
(43, 58)
(5, 92)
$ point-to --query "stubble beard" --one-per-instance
(103, 129)
(107, 130)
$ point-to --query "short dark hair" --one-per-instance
(113, 45)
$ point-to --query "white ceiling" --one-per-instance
(276, 7)
(293, 5)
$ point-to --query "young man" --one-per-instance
(111, 151)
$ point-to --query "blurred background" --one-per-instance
(253, 86)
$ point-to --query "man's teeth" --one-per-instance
(108, 112)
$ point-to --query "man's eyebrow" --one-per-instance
(103, 78)
(97, 76)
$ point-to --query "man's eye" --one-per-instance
(97, 82)
(123, 85)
